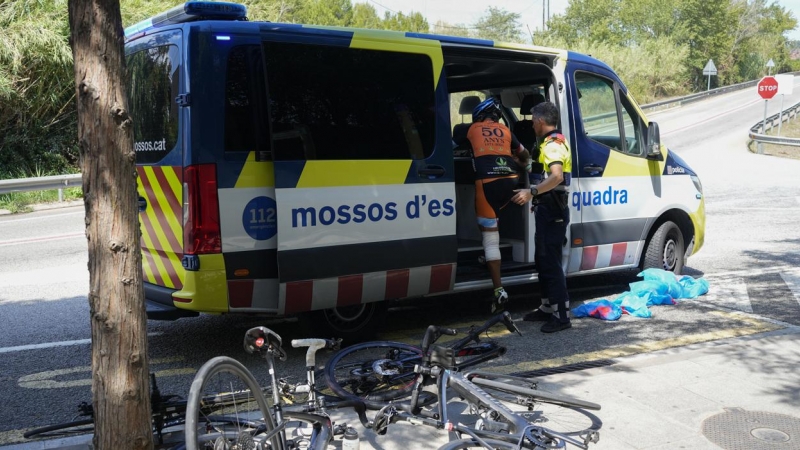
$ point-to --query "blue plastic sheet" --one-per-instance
(601, 309)
(659, 287)
(693, 288)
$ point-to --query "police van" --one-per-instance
(290, 169)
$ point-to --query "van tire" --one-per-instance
(666, 249)
(350, 323)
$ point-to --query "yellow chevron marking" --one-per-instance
(398, 42)
(149, 273)
(161, 234)
(353, 173)
(256, 174)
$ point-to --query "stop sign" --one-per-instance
(767, 87)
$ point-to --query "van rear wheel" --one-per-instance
(666, 249)
(350, 323)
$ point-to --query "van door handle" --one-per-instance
(142, 204)
(592, 169)
(431, 171)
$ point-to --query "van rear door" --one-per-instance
(154, 81)
(363, 169)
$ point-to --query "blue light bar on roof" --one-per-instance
(191, 11)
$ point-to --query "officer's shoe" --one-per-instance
(537, 316)
(554, 325)
(500, 298)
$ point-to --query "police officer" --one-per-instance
(551, 211)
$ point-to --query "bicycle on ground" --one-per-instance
(381, 371)
(296, 416)
(167, 411)
(490, 422)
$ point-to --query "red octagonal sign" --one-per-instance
(767, 87)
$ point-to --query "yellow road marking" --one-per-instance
(753, 326)
(47, 379)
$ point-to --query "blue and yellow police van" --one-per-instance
(290, 169)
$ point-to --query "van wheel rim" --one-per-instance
(345, 317)
(670, 255)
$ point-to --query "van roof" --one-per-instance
(232, 17)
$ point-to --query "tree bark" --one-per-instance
(120, 384)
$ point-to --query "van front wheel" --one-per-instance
(666, 249)
(350, 323)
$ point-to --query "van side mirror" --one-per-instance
(653, 142)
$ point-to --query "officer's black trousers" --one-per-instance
(551, 228)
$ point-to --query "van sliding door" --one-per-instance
(363, 174)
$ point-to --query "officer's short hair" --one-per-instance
(546, 111)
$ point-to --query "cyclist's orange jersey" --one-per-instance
(491, 148)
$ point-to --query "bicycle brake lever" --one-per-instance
(333, 344)
(509, 323)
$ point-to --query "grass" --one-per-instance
(18, 202)
(791, 129)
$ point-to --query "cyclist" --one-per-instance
(498, 158)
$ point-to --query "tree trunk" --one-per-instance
(120, 384)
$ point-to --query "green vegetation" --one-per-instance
(658, 47)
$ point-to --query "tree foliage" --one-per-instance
(498, 25)
(739, 35)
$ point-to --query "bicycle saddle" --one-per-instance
(262, 339)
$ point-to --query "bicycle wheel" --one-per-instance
(226, 408)
(61, 429)
(375, 372)
(471, 443)
(560, 413)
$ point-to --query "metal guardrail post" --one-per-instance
(758, 132)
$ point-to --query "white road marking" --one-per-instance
(729, 293)
(41, 239)
(46, 276)
(22, 348)
(792, 280)
(714, 117)
(42, 217)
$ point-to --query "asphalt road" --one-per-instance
(751, 258)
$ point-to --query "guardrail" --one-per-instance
(759, 130)
(61, 181)
(41, 184)
(679, 101)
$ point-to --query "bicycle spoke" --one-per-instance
(226, 408)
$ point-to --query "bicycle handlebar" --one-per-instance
(433, 333)
(314, 345)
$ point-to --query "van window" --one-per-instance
(152, 87)
(330, 103)
(633, 127)
(598, 106)
(244, 101)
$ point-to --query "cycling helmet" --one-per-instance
(486, 108)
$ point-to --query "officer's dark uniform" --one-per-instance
(552, 218)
